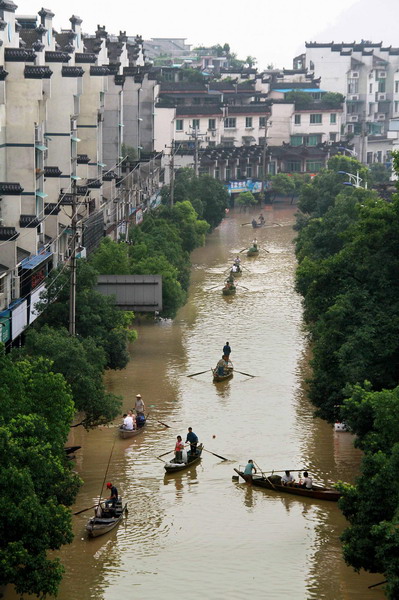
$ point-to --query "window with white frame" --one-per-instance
(297, 119)
(333, 118)
(211, 123)
(316, 118)
(179, 124)
(396, 106)
(248, 122)
(196, 123)
(230, 123)
(262, 122)
(396, 87)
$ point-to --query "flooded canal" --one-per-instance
(198, 534)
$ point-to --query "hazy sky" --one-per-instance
(273, 32)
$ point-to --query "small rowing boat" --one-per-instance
(128, 433)
(173, 466)
(273, 482)
(228, 372)
(229, 290)
(252, 251)
(106, 519)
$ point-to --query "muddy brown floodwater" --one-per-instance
(198, 534)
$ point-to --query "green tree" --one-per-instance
(111, 258)
(333, 99)
(246, 199)
(282, 185)
(299, 98)
(380, 174)
(81, 362)
(37, 483)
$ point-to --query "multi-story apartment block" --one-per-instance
(366, 74)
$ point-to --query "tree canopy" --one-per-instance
(37, 483)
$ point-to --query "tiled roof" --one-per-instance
(8, 188)
(37, 72)
(8, 233)
(52, 171)
(82, 159)
(85, 57)
(207, 109)
(96, 70)
(72, 71)
(28, 221)
(19, 55)
(56, 56)
(51, 208)
(94, 183)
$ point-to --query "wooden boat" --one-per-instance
(174, 467)
(128, 433)
(229, 291)
(256, 224)
(236, 273)
(228, 373)
(110, 518)
(71, 449)
(273, 482)
(252, 251)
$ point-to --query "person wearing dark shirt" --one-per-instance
(193, 440)
(227, 350)
(114, 496)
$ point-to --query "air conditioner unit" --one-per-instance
(354, 97)
(354, 118)
(355, 74)
(381, 117)
(382, 96)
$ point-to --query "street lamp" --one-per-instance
(351, 152)
(354, 180)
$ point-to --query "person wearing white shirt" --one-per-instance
(128, 422)
(287, 479)
(307, 481)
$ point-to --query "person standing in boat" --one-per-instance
(227, 351)
(261, 219)
(255, 244)
(179, 449)
(237, 261)
(192, 439)
(139, 405)
(287, 479)
(112, 500)
(249, 470)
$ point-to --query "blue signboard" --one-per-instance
(246, 185)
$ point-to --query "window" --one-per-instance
(272, 168)
(353, 86)
(230, 123)
(211, 123)
(211, 144)
(396, 106)
(238, 173)
(396, 87)
(297, 119)
(333, 118)
(381, 85)
(217, 173)
(196, 123)
(179, 124)
(315, 119)
(333, 137)
(262, 122)
(369, 158)
(293, 166)
(370, 88)
(296, 140)
(313, 166)
(248, 122)
(249, 171)
(313, 140)
(228, 173)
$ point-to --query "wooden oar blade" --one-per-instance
(165, 453)
(199, 373)
(242, 373)
(84, 510)
(214, 454)
(164, 424)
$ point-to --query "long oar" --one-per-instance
(213, 287)
(243, 250)
(162, 423)
(242, 286)
(242, 373)
(85, 509)
(165, 453)
(214, 454)
(265, 476)
(376, 584)
(199, 373)
(242, 224)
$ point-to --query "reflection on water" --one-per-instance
(197, 532)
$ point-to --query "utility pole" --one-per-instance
(264, 153)
(172, 174)
(196, 135)
(72, 287)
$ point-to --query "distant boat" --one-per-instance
(273, 482)
(173, 466)
(107, 519)
(256, 224)
(252, 251)
(229, 290)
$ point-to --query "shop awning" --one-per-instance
(34, 261)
